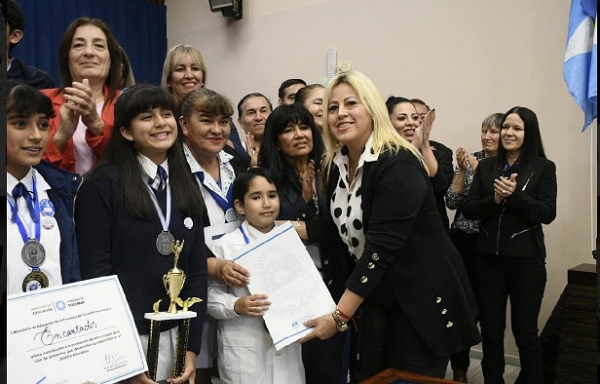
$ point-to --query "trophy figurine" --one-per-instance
(173, 281)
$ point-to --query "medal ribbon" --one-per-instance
(165, 222)
(225, 204)
(34, 212)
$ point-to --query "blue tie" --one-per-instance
(21, 191)
(160, 180)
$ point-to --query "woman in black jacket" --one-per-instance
(409, 281)
(513, 194)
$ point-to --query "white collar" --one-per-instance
(368, 155)
(195, 167)
(252, 232)
(41, 183)
(150, 168)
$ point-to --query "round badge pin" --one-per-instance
(48, 222)
(47, 208)
(188, 223)
(231, 215)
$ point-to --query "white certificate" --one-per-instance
(281, 267)
(74, 333)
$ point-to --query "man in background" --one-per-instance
(288, 89)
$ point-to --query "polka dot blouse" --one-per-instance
(347, 198)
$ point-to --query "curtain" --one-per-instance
(140, 27)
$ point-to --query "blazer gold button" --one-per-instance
(370, 265)
(438, 300)
(375, 256)
(444, 311)
(364, 279)
(449, 324)
(330, 282)
(304, 215)
(325, 262)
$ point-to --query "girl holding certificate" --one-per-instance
(39, 198)
(129, 209)
(246, 350)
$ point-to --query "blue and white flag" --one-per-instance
(581, 58)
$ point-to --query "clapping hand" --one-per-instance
(504, 187)
(309, 189)
(80, 101)
(427, 124)
(462, 158)
(252, 152)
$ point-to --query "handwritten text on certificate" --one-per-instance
(75, 332)
(281, 267)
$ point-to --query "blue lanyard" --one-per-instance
(224, 204)
(25, 235)
(164, 221)
(246, 239)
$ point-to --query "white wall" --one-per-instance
(465, 58)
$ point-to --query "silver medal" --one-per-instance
(231, 215)
(33, 253)
(164, 243)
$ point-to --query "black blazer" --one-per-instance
(514, 227)
(442, 179)
(112, 242)
(408, 252)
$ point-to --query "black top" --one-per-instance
(442, 179)
(514, 227)
(112, 242)
(23, 73)
(408, 252)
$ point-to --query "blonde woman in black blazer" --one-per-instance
(409, 281)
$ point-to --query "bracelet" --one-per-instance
(343, 314)
(296, 223)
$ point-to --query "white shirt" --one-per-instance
(246, 350)
(83, 153)
(49, 234)
(346, 200)
(214, 210)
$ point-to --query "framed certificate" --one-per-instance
(73, 333)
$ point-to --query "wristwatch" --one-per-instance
(341, 326)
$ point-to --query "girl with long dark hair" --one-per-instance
(130, 208)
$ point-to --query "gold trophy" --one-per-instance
(173, 281)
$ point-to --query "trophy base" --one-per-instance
(164, 316)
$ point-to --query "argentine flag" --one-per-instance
(581, 58)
